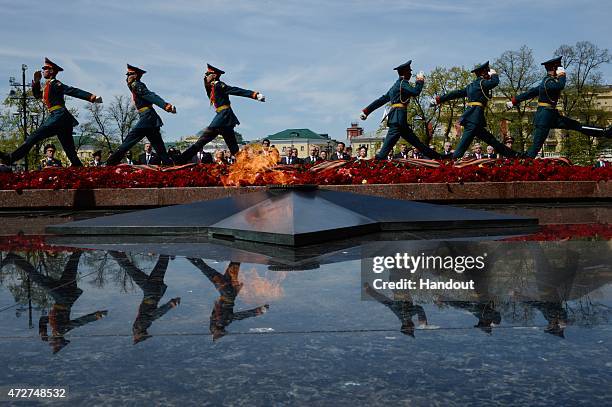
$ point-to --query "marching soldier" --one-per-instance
(148, 124)
(59, 122)
(64, 292)
(225, 120)
(399, 95)
(547, 116)
(478, 93)
(50, 160)
(153, 289)
(228, 287)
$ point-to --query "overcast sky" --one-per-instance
(318, 62)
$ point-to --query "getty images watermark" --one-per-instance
(424, 266)
(408, 263)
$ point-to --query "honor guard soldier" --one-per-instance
(399, 96)
(149, 122)
(547, 116)
(59, 122)
(478, 93)
(225, 120)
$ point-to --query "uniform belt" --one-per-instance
(53, 108)
(222, 108)
(399, 105)
(144, 109)
(475, 104)
(544, 104)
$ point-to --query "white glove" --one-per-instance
(433, 102)
(420, 76)
(560, 71)
(98, 99)
(261, 97)
(509, 104)
(492, 72)
(363, 116)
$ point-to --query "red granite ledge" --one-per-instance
(468, 192)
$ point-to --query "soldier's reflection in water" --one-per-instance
(483, 306)
(153, 289)
(402, 306)
(228, 286)
(554, 283)
(64, 292)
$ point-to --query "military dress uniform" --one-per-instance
(50, 162)
(399, 96)
(59, 121)
(224, 121)
(148, 124)
(547, 116)
(478, 93)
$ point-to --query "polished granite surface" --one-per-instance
(138, 328)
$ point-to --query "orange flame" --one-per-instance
(255, 166)
(258, 290)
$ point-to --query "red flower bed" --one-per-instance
(31, 243)
(587, 231)
(355, 172)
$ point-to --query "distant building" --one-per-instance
(372, 140)
(302, 139)
(217, 144)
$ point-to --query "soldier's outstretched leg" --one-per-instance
(65, 137)
(408, 134)
(133, 137)
(469, 132)
(207, 136)
(592, 131)
(229, 136)
(486, 136)
(154, 136)
(43, 132)
(393, 135)
(539, 137)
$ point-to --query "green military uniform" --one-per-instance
(399, 96)
(148, 124)
(547, 116)
(59, 122)
(473, 120)
(225, 119)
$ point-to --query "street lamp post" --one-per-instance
(24, 103)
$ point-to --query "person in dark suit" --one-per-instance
(291, 157)
(313, 158)
(149, 123)
(59, 122)
(64, 292)
(228, 287)
(490, 152)
(5, 168)
(128, 158)
(153, 289)
(97, 159)
(478, 93)
(148, 157)
(601, 162)
(340, 154)
(202, 157)
(403, 153)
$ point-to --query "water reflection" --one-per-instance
(228, 286)
(65, 293)
(529, 284)
(153, 289)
